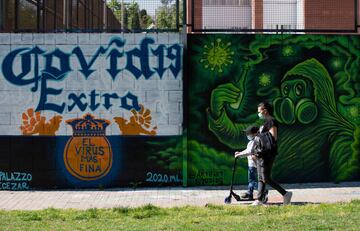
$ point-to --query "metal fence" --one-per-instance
(148, 15)
(279, 16)
(90, 15)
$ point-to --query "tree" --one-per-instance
(166, 14)
(134, 18)
(116, 8)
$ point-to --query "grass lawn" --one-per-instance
(341, 216)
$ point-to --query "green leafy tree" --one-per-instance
(116, 8)
(134, 18)
(166, 14)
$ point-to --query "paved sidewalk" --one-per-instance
(168, 197)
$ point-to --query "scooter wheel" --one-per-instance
(227, 200)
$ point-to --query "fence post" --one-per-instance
(122, 16)
(2, 15)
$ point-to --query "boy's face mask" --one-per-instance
(250, 137)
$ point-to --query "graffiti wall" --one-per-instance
(313, 81)
(105, 110)
(90, 110)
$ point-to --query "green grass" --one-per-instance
(341, 216)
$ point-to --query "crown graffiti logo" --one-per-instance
(88, 126)
(88, 153)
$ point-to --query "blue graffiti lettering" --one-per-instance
(45, 91)
(159, 52)
(133, 102)
(137, 62)
(128, 101)
(93, 105)
(175, 69)
(15, 180)
(85, 66)
(107, 97)
(20, 79)
(113, 70)
(143, 55)
(77, 101)
(51, 72)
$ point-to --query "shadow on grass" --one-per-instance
(292, 203)
(248, 203)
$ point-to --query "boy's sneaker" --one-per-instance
(257, 203)
(246, 196)
(266, 196)
(287, 197)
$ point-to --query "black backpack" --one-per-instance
(264, 144)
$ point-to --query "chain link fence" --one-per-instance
(148, 15)
(280, 16)
(274, 15)
(90, 15)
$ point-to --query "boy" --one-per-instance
(252, 171)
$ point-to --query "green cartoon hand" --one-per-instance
(225, 93)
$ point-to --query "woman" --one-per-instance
(265, 162)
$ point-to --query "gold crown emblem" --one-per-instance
(88, 126)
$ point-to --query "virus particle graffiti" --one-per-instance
(217, 56)
(264, 80)
(139, 123)
(33, 123)
(336, 63)
(288, 51)
(354, 111)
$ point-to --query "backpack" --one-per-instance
(264, 144)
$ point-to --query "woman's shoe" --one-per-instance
(287, 197)
(266, 196)
(257, 203)
(246, 197)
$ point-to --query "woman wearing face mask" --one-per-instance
(265, 162)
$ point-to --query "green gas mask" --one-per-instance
(296, 102)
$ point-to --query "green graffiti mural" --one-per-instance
(313, 81)
(217, 55)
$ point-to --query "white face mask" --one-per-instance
(250, 137)
(261, 116)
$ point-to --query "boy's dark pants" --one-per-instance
(252, 179)
(264, 165)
